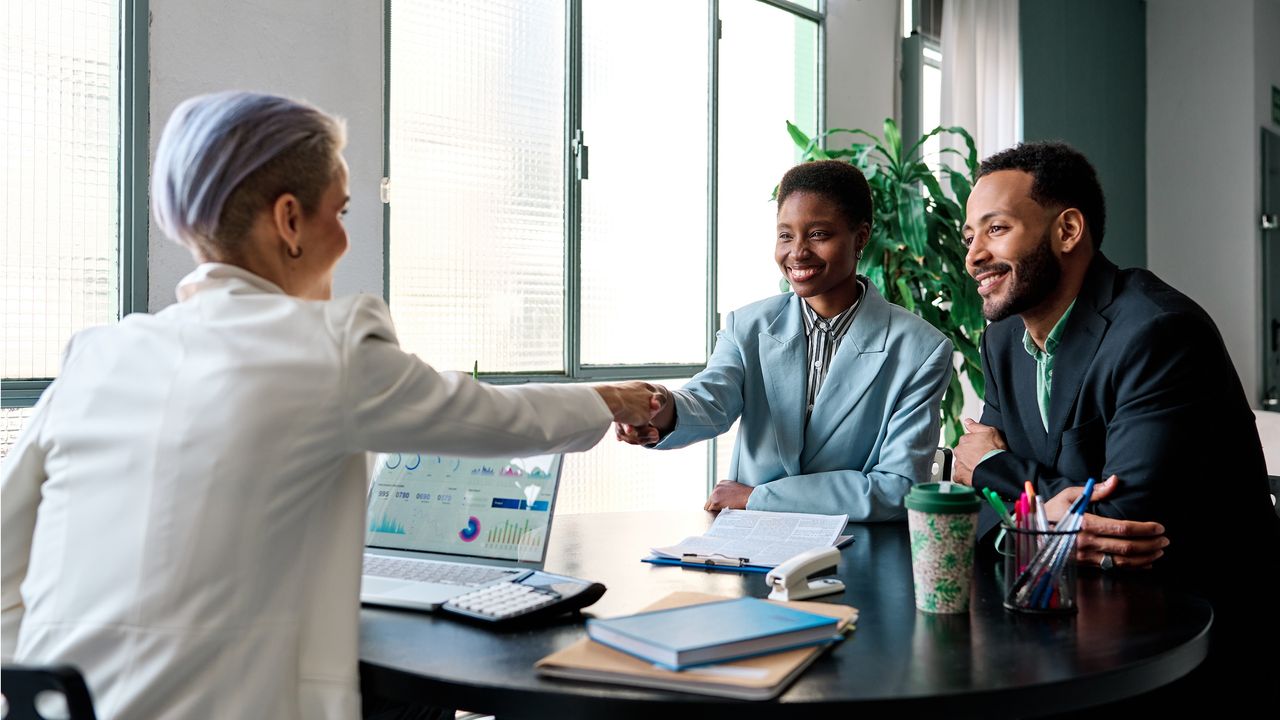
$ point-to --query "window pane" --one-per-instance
(724, 452)
(644, 204)
(931, 112)
(768, 75)
(616, 477)
(58, 147)
(11, 422)
(477, 167)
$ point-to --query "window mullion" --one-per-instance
(134, 156)
(713, 77)
(822, 71)
(22, 393)
(384, 185)
(804, 12)
(573, 192)
(713, 161)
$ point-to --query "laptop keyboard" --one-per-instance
(433, 572)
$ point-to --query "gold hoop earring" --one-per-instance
(291, 252)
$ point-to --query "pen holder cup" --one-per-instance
(1039, 570)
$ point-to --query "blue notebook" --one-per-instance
(713, 632)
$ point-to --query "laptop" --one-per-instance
(439, 526)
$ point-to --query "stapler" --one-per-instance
(792, 579)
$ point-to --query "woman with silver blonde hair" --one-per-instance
(183, 514)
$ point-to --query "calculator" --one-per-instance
(525, 600)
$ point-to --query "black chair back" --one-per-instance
(21, 685)
(941, 469)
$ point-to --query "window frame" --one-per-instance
(133, 161)
(575, 371)
(918, 50)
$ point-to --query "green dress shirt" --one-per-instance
(1044, 362)
(1044, 367)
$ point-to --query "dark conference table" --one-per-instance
(1130, 635)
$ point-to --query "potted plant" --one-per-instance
(916, 253)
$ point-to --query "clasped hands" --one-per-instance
(649, 429)
(1130, 544)
(635, 403)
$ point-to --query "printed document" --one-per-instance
(763, 539)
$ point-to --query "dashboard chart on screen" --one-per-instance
(486, 507)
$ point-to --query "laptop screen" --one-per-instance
(496, 508)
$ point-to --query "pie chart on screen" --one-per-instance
(471, 531)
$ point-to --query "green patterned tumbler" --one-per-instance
(943, 520)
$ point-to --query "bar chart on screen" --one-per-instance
(387, 524)
(515, 534)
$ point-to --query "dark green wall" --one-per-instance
(1084, 66)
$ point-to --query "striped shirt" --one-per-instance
(825, 335)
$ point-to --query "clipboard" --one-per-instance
(723, 564)
(717, 564)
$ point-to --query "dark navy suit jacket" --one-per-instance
(1143, 388)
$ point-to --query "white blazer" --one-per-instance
(183, 516)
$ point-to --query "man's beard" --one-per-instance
(1036, 278)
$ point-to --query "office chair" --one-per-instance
(22, 685)
(940, 471)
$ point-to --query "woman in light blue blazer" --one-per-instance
(851, 439)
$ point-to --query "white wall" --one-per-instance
(1203, 168)
(862, 74)
(328, 52)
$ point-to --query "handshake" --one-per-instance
(641, 410)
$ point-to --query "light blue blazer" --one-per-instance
(874, 426)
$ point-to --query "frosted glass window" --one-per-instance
(58, 174)
(12, 421)
(768, 75)
(644, 204)
(477, 159)
(617, 477)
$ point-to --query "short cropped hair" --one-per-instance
(837, 181)
(1061, 176)
(225, 157)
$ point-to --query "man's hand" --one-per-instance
(728, 494)
(1130, 544)
(977, 441)
(634, 403)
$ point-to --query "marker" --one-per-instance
(994, 501)
(1084, 498)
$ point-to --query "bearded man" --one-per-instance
(1093, 371)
